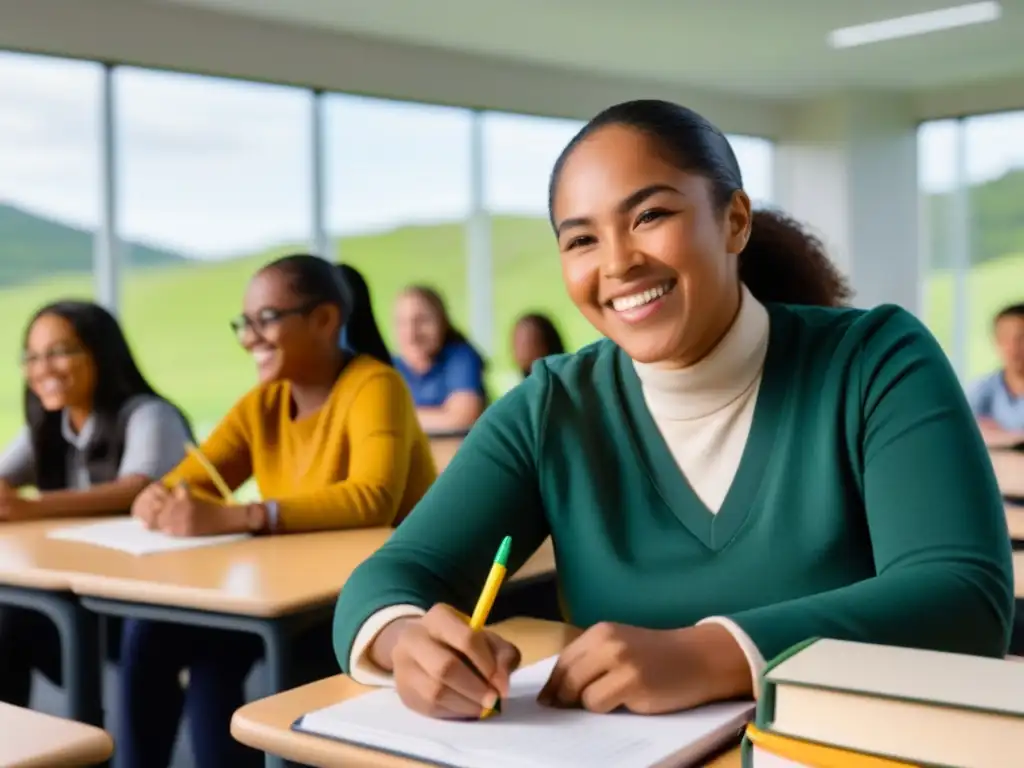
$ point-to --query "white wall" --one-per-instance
(847, 165)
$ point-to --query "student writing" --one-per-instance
(96, 434)
(443, 370)
(331, 437)
(740, 465)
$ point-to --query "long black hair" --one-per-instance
(361, 331)
(118, 379)
(782, 262)
(318, 281)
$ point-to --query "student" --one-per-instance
(96, 435)
(444, 372)
(330, 436)
(534, 336)
(740, 465)
(998, 399)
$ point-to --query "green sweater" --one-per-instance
(864, 506)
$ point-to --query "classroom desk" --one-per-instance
(443, 449)
(35, 573)
(1009, 469)
(273, 587)
(33, 740)
(1015, 523)
(266, 724)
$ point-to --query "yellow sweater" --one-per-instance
(360, 461)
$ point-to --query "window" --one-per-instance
(519, 153)
(972, 187)
(215, 181)
(995, 205)
(49, 198)
(398, 194)
(937, 150)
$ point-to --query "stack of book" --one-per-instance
(833, 703)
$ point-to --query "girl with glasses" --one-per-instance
(330, 436)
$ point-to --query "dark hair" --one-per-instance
(452, 335)
(1013, 310)
(361, 331)
(782, 261)
(548, 331)
(118, 379)
(318, 281)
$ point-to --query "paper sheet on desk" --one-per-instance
(526, 733)
(130, 535)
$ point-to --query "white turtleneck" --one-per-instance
(704, 414)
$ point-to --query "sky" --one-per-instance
(215, 168)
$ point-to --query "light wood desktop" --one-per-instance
(1009, 469)
(266, 724)
(33, 740)
(444, 449)
(261, 577)
(1014, 521)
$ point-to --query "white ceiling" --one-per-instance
(767, 48)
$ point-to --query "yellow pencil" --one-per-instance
(487, 597)
(211, 470)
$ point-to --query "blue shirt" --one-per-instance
(457, 369)
(990, 399)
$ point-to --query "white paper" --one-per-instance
(526, 733)
(129, 535)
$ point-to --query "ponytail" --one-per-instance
(785, 263)
(360, 332)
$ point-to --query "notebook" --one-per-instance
(529, 734)
(903, 704)
(126, 534)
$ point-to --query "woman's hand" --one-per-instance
(648, 671)
(13, 507)
(444, 669)
(148, 504)
(184, 514)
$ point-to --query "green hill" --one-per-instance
(32, 246)
(176, 314)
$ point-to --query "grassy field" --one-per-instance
(177, 317)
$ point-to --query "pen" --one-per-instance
(211, 470)
(487, 597)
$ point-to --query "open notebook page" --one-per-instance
(126, 534)
(527, 733)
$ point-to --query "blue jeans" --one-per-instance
(152, 701)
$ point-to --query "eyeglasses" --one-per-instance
(52, 355)
(267, 318)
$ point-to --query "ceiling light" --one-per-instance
(915, 24)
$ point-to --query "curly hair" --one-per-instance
(785, 262)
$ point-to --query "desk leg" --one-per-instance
(276, 633)
(81, 661)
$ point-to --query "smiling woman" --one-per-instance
(331, 438)
(733, 470)
(96, 433)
